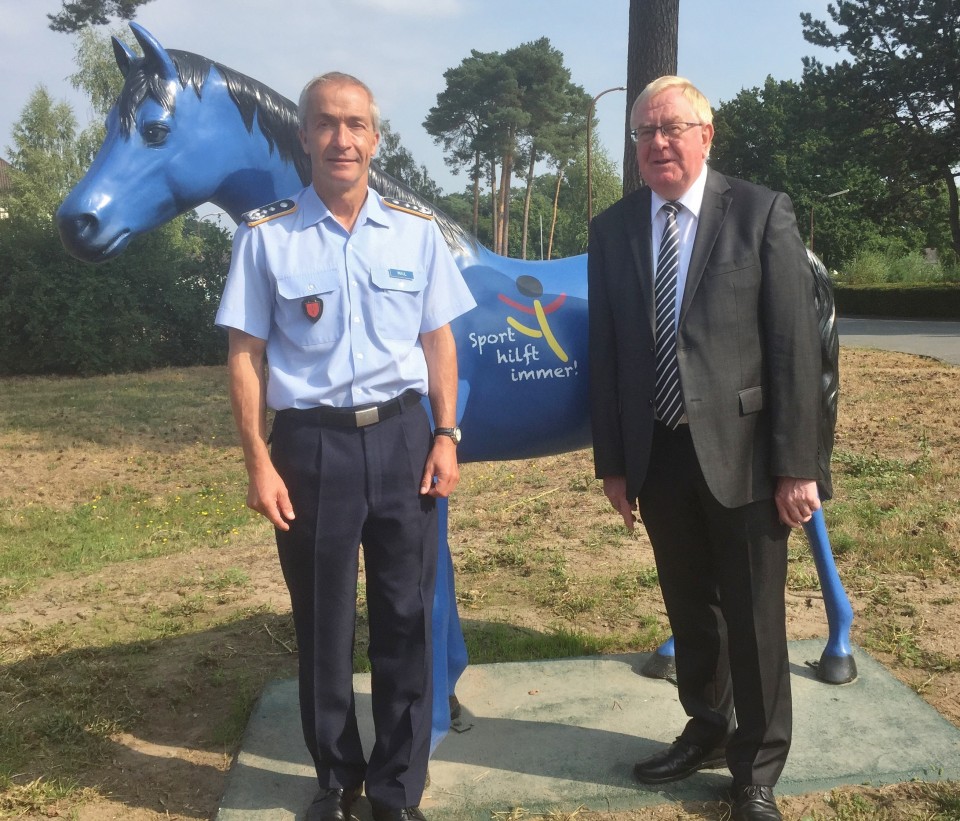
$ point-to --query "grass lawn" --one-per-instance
(142, 608)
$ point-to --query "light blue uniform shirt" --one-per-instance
(378, 288)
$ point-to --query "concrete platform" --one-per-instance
(557, 735)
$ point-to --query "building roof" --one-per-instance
(5, 177)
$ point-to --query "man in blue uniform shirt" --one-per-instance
(338, 304)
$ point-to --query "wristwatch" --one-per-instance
(453, 433)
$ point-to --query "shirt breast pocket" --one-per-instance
(399, 302)
(308, 307)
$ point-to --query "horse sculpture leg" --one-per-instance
(836, 665)
(449, 649)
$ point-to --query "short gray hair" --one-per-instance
(696, 98)
(338, 78)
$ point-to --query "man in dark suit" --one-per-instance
(705, 363)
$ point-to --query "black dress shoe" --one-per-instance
(332, 804)
(382, 813)
(678, 761)
(753, 803)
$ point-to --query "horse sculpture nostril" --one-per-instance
(79, 234)
(83, 225)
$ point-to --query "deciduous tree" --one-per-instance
(44, 157)
(60, 315)
(900, 88)
(785, 136)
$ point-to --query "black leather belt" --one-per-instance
(362, 415)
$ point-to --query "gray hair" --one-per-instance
(701, 105)
(338, 78)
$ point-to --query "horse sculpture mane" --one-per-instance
(274, 113)
(257, 103)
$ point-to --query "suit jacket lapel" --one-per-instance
(636, 217)
(713, 210)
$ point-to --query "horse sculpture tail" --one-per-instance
(829, 371)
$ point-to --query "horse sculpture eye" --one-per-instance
(155, 133)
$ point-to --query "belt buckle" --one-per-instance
(367, 416)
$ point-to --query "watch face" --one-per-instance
(456, 435)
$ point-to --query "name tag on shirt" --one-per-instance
(396, 273)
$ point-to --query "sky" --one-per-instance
(401, 49)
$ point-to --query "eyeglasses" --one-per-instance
(670, 131)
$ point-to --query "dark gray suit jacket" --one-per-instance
(747, 342)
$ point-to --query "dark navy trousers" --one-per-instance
(351, 487)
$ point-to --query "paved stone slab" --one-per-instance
(557, 735)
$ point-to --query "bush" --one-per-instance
(869, 268)
(923, 301)
(151, 307)
(877, 268)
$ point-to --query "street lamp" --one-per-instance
(825, 197)
(215, 214)
(593, 105)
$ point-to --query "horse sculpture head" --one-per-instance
(184, 131)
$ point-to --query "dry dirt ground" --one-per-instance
(167, 763)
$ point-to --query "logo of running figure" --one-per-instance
(530, 287)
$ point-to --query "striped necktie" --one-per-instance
(669, 399)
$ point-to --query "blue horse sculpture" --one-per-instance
(186, 130)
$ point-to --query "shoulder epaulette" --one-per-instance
(408, 207)
(268, 212)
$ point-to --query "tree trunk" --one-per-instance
(506, 174)
(651, 53)
(526, 201)
(556, 208)
(477, 174)
(951, 181)
(494, 199)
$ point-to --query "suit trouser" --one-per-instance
(347, 487)
(722, 572)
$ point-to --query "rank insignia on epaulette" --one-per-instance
(269, 212)
(408, 207)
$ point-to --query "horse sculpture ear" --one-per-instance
(123, 55)
(154, 53)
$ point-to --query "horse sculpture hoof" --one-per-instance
(661, 664)
(836, 669)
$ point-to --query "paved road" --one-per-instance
(939, 339)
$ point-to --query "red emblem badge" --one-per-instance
(313, 308)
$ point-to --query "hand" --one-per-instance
(615, 488)
(441, 473)
(796, 499)
(267, 494)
